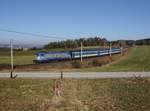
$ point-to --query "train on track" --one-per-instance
(43, 57)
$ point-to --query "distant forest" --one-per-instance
(87, 42)
(95, 41)
(143, 41)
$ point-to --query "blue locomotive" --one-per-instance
(42, 57)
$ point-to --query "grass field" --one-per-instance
(137, 60)
(20, 57)
(79, 95)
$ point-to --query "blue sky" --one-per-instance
(113, 19)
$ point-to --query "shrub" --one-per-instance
(76, 64)
(96, 62)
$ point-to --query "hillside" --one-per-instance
(137, 60)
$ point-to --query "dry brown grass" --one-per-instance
(131, 94)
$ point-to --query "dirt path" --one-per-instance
(77, 75)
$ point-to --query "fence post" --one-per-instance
(11, 58)
(81, 51)
(110, 49)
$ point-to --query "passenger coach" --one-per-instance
(42, 57)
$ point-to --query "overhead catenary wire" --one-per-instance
(11, 58)
(31, 34)
(46, 36)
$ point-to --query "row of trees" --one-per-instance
(143, 41)
(132, 42)
(96, 41)
(123, 43)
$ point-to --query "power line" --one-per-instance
(41, 35)
(31, 34)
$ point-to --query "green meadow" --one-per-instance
(20, 57)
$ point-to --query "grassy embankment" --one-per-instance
(79, 95)
(137, 60)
